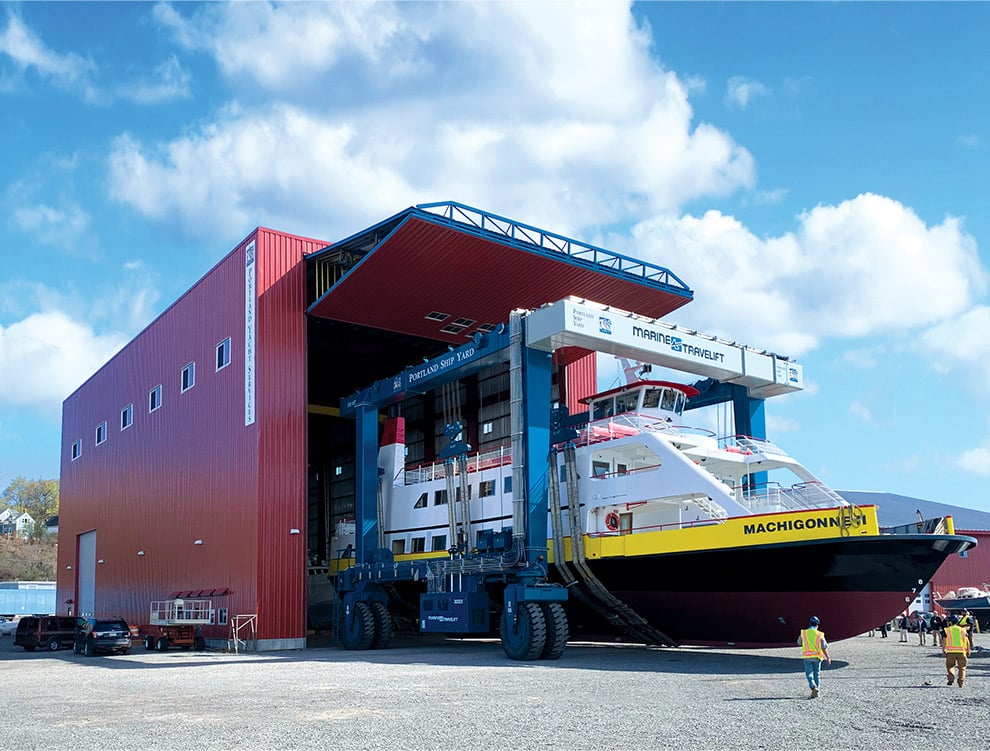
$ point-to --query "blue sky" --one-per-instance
(815, 172)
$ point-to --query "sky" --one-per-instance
(816, 173)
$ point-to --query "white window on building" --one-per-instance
(76, 449)
(486, 488)
(188, 376)
(155, 398)
(223, 354)
(101, 432)
(487, 428)
(127, 417)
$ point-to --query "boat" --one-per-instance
(966, 598)
(668, 534)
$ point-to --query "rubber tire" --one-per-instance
(162, 644)
(558, 630)
(149, 642)
(358, 631)
(89, 650)
(76, 649)
(199, 643)
(53, 644)
(383, 625)
(525, 638)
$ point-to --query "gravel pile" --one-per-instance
(878, 694)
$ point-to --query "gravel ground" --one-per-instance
(878, 694)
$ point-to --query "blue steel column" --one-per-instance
(536, 419)
(748, 413)
(365, 482)
(750, 420)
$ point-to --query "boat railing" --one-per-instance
(476, 462)
(633, 423)
(773, 496)
(656, 528)
(748, 445)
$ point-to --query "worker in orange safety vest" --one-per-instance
(814, 649)
(955, 647)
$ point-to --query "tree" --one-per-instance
(38, 497)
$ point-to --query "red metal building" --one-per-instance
(208, 457)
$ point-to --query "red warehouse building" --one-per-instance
(208, 457)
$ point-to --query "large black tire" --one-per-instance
(558, 630)
(358, 631)
(162, 644)
(89, 649)
(524, 637)
(383, 625)
(149, 642)
(53, 644)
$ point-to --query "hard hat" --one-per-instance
(953, 619)
(814, 621)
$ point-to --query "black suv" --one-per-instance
(102, 635)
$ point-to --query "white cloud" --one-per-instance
(169, 81)
(960, 344)
(569, 108)
(27, 52)
(976, 461)
(56, 226)
(46, 356)
(852, 270)
(861, 411)
(777, 424)
(740, 91)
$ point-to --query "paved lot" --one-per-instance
(879, 694)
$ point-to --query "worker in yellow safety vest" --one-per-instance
(955, 647)
(814, 649)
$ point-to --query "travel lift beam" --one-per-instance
(533, 621)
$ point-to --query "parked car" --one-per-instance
(101, 635)
(49, 632)
(7, 626)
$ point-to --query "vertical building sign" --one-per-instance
(250, 295)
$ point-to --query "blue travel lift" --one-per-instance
(533, 624)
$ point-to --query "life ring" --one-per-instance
(612, 521)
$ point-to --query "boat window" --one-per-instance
(440, 498)
(398, 547)
(439, 542)
(651, 399)
(681, 401)
(421, 501)
(507, 484)
(669, 400)
(626, 402)
(419, 544)
(599, 469)
(602, 409)
(486, 488)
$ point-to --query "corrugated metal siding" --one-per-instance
(971, 571)
(580, 380)
(191, 469)
(282, 444)
(183, 472)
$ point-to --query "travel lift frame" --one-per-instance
(533, 624)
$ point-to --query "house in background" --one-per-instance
(13, 523)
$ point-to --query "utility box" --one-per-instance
(453, 613)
